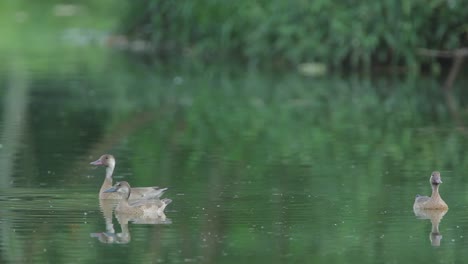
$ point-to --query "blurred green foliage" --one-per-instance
(54, 35)
(359, 34)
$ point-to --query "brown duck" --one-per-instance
(109, 162)
(434, 202)
(140, 208)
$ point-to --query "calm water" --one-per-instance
(263, 167)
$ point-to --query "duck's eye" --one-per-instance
(107, 157)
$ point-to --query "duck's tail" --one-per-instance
(166, 201)
(155, 194)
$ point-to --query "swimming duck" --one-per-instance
(140, 208)
(434, 202)
(108, 161)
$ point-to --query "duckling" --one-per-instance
(139, 208)
(109, 162)
(434, 202)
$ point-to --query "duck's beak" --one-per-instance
(436, 181)
(112, 189)
(96, 162)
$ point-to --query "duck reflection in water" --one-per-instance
(435, 216)
(114, 238)
(110, 236)
(433, 208)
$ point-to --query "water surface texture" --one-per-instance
(262, 167)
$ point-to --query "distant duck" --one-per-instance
(108, 161)
(139, 208)
(434, 202)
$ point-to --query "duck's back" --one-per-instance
(147, 192)
(425, 202)
(139, 193)
(421, 199)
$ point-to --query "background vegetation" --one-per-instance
(263, 166)
(359, 34)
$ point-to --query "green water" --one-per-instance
(262, 167)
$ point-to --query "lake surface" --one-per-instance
(262, 167)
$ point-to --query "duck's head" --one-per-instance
(120, 187)
(435, 178)
(105, 160)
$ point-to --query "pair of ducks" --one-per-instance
(146, 200)
(434, 202)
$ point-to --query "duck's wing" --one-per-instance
(146, 204)
(421, 199)
(153, 192)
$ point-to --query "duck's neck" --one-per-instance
(435, 228)
(109, 171)
(126, 197)
(108, 180)
(123, 204)
(435, 192)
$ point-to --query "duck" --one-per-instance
(139, 208)
(434, 202)
(108, 161)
